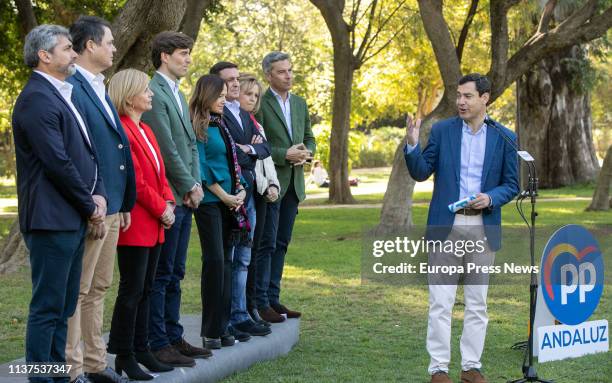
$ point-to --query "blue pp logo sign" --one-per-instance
(573, 274)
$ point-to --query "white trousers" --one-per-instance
(441, 302)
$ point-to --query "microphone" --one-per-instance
(525, 156)
(522, 153)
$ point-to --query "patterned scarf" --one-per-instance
(230, 145)
(241, 227)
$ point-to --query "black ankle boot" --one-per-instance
(129, 364)
(147, 359)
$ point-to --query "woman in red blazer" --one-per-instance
(139, 244)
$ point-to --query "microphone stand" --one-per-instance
(529, 371)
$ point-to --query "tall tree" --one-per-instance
(601, 196)
(140, 20)
(554, 110)
(355, 41)
(292, 26)
(587, 23)
(133, 29)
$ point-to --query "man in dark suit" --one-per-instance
(469, 157)
(93, 41)
(285, 119)
(59, 188)
(251, 146)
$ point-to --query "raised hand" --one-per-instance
(412, 130)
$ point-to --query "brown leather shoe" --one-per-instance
(440, 377)
(282, 309)
(170, 356)
(270, 315)
(472, 376)
(191, 351)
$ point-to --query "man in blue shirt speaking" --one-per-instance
(469, 156)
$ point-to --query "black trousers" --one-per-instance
(214, 228)
(261, 209)
(130, 323)
(278, 229)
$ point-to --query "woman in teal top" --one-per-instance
(219, 211)
(213, 164)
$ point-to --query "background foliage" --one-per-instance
(404, 78)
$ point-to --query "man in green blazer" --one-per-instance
(286, 122)
(169, 120)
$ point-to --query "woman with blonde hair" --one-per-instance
(139, 246)
(268, 186)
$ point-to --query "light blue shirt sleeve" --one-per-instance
(409, 148)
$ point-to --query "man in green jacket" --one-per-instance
(286, 122)
(169, 120)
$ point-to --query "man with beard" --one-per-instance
(59, 188)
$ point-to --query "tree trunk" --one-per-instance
(27, 17)
(14, 253)
(601, 196)
(584, 25)
(133, 39)
(554, 120)
(339, 188)
(133, 30)
(190, 25)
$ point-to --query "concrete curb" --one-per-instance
(223, 363)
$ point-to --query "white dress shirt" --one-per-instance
(144, 135)
(97, 83)
(234, 108)
(65, 89)
(174, 86)
(286, 108)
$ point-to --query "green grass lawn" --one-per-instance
(362, 333)
(8, 188)
(380, 176)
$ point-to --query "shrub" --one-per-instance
(375, 149)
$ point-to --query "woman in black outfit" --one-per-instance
(220, 217)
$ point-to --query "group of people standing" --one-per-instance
(121, 171)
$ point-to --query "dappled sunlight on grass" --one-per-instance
(355, 331)
(561, 211)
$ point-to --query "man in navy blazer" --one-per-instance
(59, 189)
(251, 146)
(468, 156)
(93, 41)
